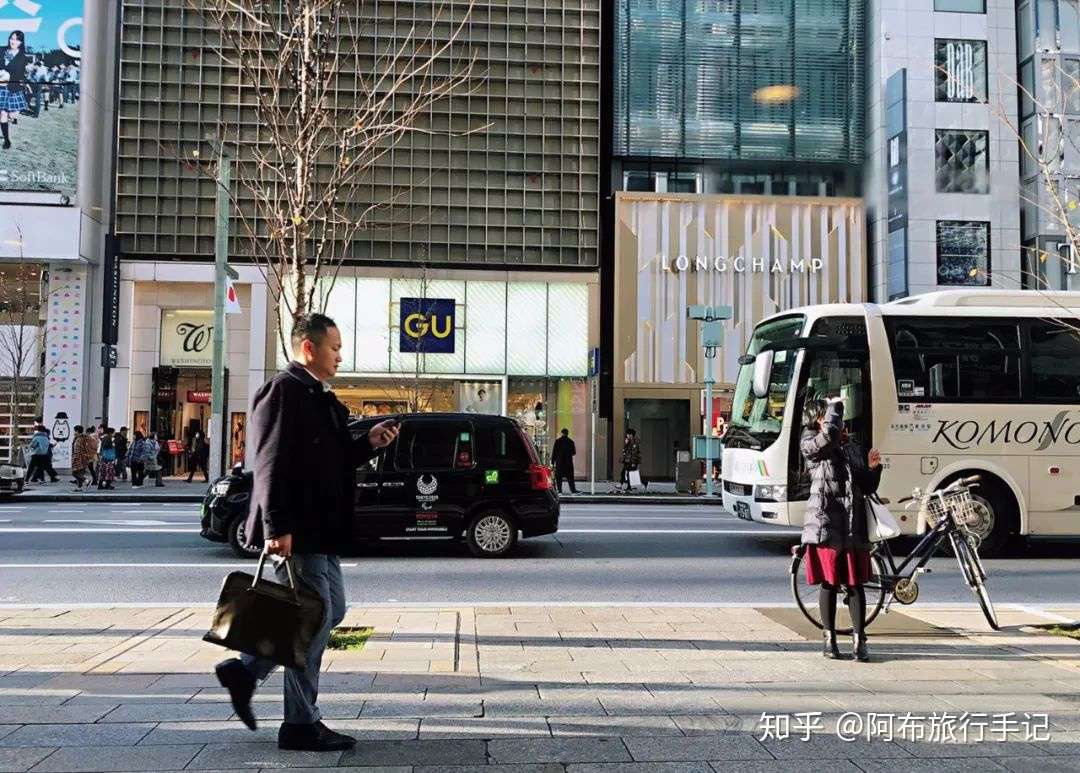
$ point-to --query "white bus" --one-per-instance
(945, 385)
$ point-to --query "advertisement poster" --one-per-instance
(39, 96)
(480, 397)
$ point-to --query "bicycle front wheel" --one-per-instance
(806, 595)
(972, 571)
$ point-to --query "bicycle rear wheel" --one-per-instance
(806, 595)
(972, 570)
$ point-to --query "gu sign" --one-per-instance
(427, 326)
(187, 338)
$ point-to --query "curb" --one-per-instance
(598, 499)
(121, 498)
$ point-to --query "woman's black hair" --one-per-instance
(18, 34)
(813, 413)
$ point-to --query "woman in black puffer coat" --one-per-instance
(838, 551)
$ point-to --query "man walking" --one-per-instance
(41, 457)
(562, 459)
(199, 458)
(302, 504)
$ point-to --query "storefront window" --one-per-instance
(545, 407)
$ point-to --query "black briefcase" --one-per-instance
(267, 619)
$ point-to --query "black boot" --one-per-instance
(857, 610)
(4, 130)
(860, 651)
(235, 678)
(832, 652)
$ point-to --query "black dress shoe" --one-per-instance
(831, 651)
(312, 738)
(235, 678)
(860, 652)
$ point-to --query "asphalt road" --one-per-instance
(147, 554)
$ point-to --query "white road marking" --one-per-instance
(112, 522)
(785, 532)
(160, 565)
(65, 530)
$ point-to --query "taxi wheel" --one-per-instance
(491, 535)
(237, 536)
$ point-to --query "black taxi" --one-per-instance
(455, 476)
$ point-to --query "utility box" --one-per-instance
(704, 444)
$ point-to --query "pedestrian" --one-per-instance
(631, 457)
(562, 459)
(834, 529)
(83, 450)
(136, 459)
(107, 455)
(199, 457)
(41, 457)
(301, 504)
(120, 440)
(153, 460)
(92, 444)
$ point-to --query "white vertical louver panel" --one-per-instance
(568, 330)
(526, 329)
(372, 325)
(485, 327)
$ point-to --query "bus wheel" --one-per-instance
(996, 517)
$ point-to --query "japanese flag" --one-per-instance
(232, 304)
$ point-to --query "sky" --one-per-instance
(16, 14)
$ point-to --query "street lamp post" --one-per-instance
(221, 271)
(712, 338)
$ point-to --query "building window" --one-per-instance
(960, 6)
(639, 181)
(963, 161)
(963, 253)
(1070, 76)
(960, 70)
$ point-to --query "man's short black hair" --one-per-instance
(565, 431)
(311, 327)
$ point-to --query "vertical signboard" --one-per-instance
(40, 96)
(897, 173)
(110, 317)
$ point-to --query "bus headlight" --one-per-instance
(770, 492)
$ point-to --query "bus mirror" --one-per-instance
(763, 364)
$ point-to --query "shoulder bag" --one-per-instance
(880, 523)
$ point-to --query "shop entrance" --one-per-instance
(179, 410)
(663, 427)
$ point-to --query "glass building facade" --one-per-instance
(1048, 38)
(753, 80)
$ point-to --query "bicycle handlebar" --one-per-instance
(956, 485)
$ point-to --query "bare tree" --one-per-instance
(330, 101)
(20, 339)
(1044, 142)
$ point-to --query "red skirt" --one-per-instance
(836, 566)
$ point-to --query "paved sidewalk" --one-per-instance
(585, 689)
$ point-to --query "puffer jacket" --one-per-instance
(839, 481)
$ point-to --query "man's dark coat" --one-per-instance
(305, 464)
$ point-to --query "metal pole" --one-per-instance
(592, 457)
(708, 425)
(216, 431)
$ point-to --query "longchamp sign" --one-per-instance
(187, 338)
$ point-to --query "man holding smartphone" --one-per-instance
(302, 505)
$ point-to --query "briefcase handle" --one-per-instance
(288, 569)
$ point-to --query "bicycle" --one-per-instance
(950, 513)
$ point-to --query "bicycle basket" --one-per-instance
(965, 510)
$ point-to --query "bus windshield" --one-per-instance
(756, 423)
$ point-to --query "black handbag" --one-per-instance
(267, 619)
